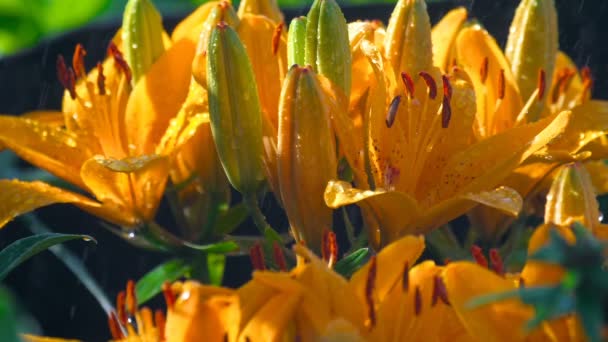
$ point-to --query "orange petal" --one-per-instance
(190, 27)
(17, 197)
(443, 36)
(157, 98)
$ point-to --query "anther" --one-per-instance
(279, 257)
(562, 83)
(369, 291)
(408, 83)
(169, 295)
(114, 326)
(120, 307)
(66, 77)
(496, 262)
(446, 112)
(483, 70)
(131, 300)
(276, 37)
(392, 111)
(256, 254)
(478, 256)
(439, 291)
(101, 79)
(430, 83)
(330, 247)
(78, 61)
(119, 60)
(542, 84)
(447, 87)
(417, 301)
(159, 322)
(501, 84)
(405, 280)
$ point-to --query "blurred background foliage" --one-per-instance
(23, 23)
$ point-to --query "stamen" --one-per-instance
(78, 61)
(66, 77)
(159, 322)
(276, 38)
(279, 257)
(586, 73)
(587, 80)
(120, 60)
(496, 262)
(542, 84)
(447, 87)
(115, 329)
(430, 83)
(446, 112)
(483, 71)
(501, 84)
(101, 79)
(169, 295)
(256, 254)
(330, 248)
(369, 291)
(562, 83)
(408, 83)
(131, 301)
(439, 292)
(392, 111)
(417, 301)
(405, 280)
(120, 307)
(478, 256)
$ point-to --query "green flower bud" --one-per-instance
(296, 41)
(327, 45)
(234, 108)
(142, 35)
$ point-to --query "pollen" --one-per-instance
(66, 77)
(78, 61)
(408, 83)
(119, 60)
(430, 83)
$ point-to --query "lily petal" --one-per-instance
(190, 27)
(443, 36)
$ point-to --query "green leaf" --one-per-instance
(231, 219)
(352, 262)
(23, 249)
(60, 15)
(150, 284)
(218, 247)
(8, 321)
(215, 268)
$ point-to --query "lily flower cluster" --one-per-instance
(416, 125)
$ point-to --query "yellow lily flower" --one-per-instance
(423, 168)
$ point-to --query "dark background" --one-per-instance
(51, 294)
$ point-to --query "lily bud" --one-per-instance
(408, 38)
(306, 155)
(572, 198)
(268, 8)
(142, 35)
(296, 41)
(234, 108)
(532, 45)
(221, 12)
(327, 46)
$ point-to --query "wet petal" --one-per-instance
(589, 122)
(17, 198)
(443, 36)
(190, 27)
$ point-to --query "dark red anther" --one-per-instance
(66, 77)
(370, 284)
(279, 257)
(587, 79)
(115, 329)
(256, 254)
(330, 247)
(168, 294)
(276, 38)
(496, 262)
(430, 83)
(478, 256)
(408, 83)
(586, 73)
(501, 84)
(562, 83)
(447, 87)
(120, 307)
(446, 112)
(392, 111)
(78, 61)
(159, 322)
(405, 280)
(417, 301)
(446, 261)
(131, 300)
(101, 79)
(120, 61)
(542, 84)
(483, 70)
(439, 291)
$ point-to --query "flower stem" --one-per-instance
(256, 214)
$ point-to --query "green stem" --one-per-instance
(256, 214)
